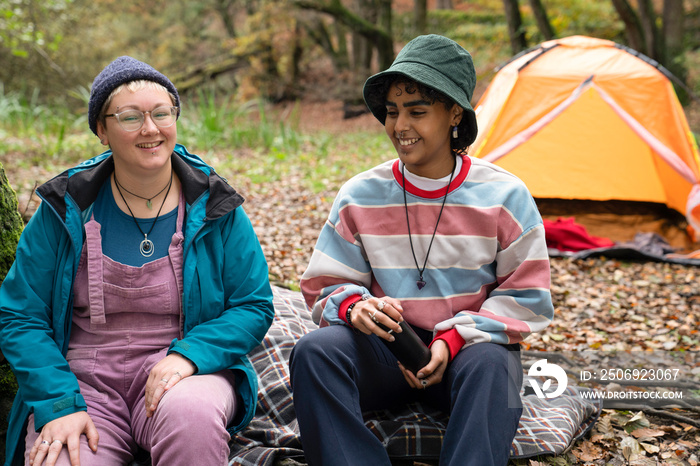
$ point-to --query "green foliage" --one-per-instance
(21, 27)
(597, 19)
(209, 123)
(322, 162)
(484, 22)
(41, 131)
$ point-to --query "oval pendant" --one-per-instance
(147, 247)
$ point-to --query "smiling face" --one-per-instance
(420, 130)
(148, 149)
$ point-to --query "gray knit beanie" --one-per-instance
(120, 71)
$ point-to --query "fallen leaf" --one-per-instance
(630, 448)
(649, 448)
(637, 421)
(587, 451)
(646, 432)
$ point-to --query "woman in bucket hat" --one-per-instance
(449, 244)
(138, 288)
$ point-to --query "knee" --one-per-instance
(316, 347)
(317, 352)
(487, 361)
(199, 407)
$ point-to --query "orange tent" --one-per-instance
(585, 118)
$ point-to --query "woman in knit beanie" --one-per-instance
(430, 270)
(138, 288)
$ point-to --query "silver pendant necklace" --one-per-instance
(420, 283)
(146, 248)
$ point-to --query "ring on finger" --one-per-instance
(164, 380)
(57, 440)
(45, 442)
(424, 383)
(178, 374)
(380, 305)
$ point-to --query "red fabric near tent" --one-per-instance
(565, 234)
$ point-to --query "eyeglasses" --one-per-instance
(132, 120)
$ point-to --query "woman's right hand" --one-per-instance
(65, 430)
(366, 314)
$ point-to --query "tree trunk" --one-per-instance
(11, 224)
(543, 24)
(385, 46)
(674, 28)
(652, 38)
(633, 26)
(296, 56)
(420, 16)
(444, 5)
(195, 76)
(673, 31)
(223, 8)
(317, 30)
(343, 61)
(516, 31)
(361, 46)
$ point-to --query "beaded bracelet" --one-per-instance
(348, 315)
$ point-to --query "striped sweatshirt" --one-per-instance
(487, 275)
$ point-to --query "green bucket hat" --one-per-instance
(434, 61)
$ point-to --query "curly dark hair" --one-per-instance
(377, 98)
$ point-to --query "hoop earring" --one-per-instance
(455, 132)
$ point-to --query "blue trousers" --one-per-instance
(338, 373)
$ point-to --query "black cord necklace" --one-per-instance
(146, 248)
(420, 283)
(148, 200)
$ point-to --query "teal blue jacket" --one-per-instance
(227, 299)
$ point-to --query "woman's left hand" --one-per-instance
(433, 372)
(165, 375)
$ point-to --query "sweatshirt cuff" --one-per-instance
(454, 341)
(343, 308)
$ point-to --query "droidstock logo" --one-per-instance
(544, 369)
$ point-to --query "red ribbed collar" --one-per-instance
(416, 191)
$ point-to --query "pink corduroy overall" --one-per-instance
(124, 319)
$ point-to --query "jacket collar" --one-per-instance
(84, 182)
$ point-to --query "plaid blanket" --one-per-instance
(546, 427)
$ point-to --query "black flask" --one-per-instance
(408, 348)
